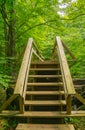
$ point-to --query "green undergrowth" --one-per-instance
(79, 123)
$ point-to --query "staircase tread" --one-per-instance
(45, 69)
(45, 84)
(51, 114)
(45, 102)
(45, 62)
(44, 92)
(45, 76)
(45, 127)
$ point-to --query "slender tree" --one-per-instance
(7, 12)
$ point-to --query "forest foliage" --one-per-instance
(42, 20)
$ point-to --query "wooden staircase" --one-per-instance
(43, 91)
(44, 98)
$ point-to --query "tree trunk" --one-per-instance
(9, 32)
(10, 42)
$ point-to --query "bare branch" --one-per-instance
(21, 25)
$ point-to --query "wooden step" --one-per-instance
(44, 92)
(46, 103)
(45, 69)
(45, 76)
(45, 127)
(52, 114)
(45, 62)
(39, 114)
(45, 84)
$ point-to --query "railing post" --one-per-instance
(68, 102)
(21, 104)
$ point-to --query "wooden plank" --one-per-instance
(53, 114)
(6, 103)
(45, 76)
(69, 88)
(44, 92)
(26, 77)
(9, 113)
(37, 50)
(46, 103)
(23, 69)
(37, 55)
(45, 84)
(44, 69)
(80, 98)
(68, 102)
(45, 62)
(21, 104)
(45, 127)
(69, 52)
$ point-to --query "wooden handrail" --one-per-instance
(24, 67)
(67, 80)
(69, 87)
(66, 48)
(22, 79)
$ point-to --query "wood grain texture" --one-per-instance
(44, 92)
(23, 69)
(69, 87)
(44, 127)
(46, 103)
(45, 84)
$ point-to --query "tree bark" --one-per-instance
(9, 31)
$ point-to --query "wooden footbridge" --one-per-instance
(44, 90)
